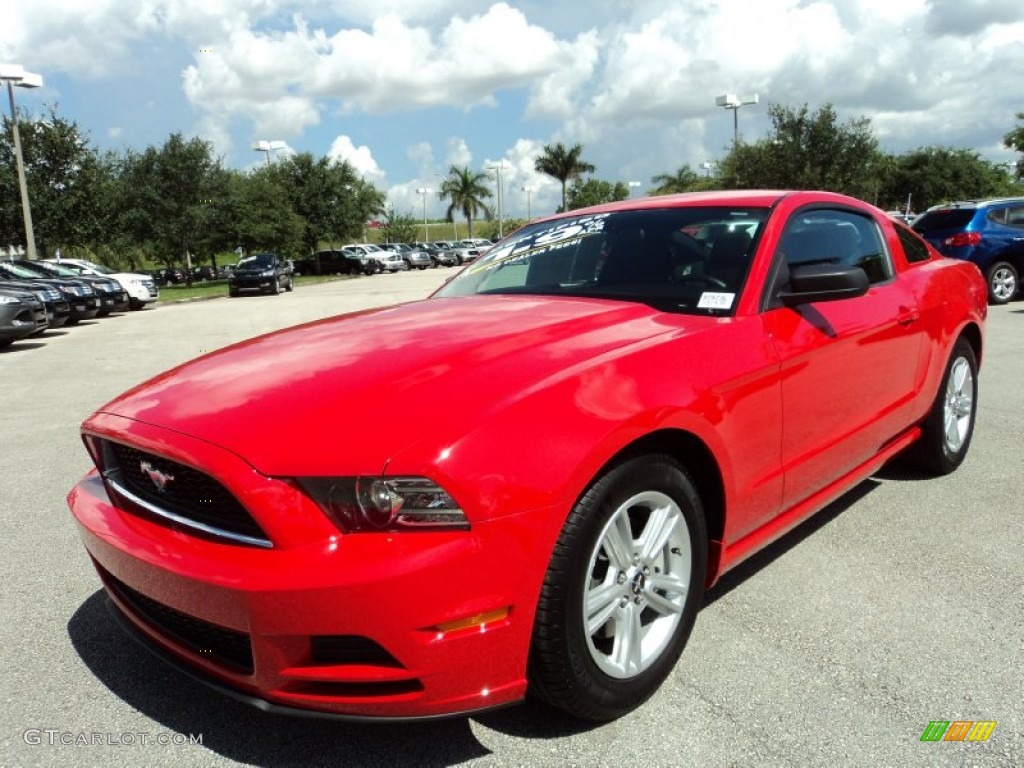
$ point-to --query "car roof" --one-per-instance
(984, 203)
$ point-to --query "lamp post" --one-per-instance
(734, 102)
(268, 147)
(15, 75)
(707, 165)
(424, 191)
(632, 185)
(527, 189)
(501, 195)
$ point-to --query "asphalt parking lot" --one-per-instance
(900, 604)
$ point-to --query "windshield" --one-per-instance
(257, 261)
(690, 260)
(19, 271)
(98, 268)
(944, 218)
(61, 270)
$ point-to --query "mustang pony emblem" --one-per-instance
(160, 479)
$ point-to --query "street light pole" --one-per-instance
(13, 75)
(424, 191)
(267, 147)
(497, 169)
(632, 185)
(734, 102)
(528, 190)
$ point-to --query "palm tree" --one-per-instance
(683, 180)
(562, 163)
(466, 190)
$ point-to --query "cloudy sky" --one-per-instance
(403, 89)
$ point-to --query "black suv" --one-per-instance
(261, 272)
(988, 232)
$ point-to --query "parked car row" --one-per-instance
(371, 259)
(204, 273)
(38, 295)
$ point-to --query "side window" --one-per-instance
(836, 237)
(997, 215)
(913, 247)
(1015, 216)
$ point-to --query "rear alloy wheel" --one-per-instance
(946, 432)
(621, 592)
(1002, 282)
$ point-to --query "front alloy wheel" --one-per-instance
(637, 584)
(622, 590)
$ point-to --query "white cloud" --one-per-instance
(633, 82)
(457, 153)
(360, 158)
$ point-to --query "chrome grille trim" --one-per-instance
(111, 479)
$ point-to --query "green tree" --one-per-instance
(807, 150)
(170, 193)
(563, 163)
(465, 190)
(683, 180)
(1015, 140)
(400, 227)
(586, 192)
(66, 178)
(256, 215)
(932, 175)
(333, 202)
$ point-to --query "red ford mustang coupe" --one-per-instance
(647, 393)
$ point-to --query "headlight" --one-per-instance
(267, 273)
(9, 300)
(385, 503)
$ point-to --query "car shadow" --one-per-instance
(249, 736)
(21, 346)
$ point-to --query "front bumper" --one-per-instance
(253, 283)
(352, 625)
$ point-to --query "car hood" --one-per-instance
(346, 394)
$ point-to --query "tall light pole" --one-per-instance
(15, 75)
(708, 166)
(268, 147)
(501, 196)
(528, 189)
(734, 102)
(632, 185)
(424, 191)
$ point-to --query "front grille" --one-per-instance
(192, 498)
(220, 645)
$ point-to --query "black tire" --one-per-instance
(233, 292)
(947, 430)
(275, 289)
(132, 304)
(573, 667)
(1003, 282)
(291, 285)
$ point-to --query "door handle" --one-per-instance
(907, 316)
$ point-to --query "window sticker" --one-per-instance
(712, 300)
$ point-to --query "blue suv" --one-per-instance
(988, 232)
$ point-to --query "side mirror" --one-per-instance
(824, 282)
